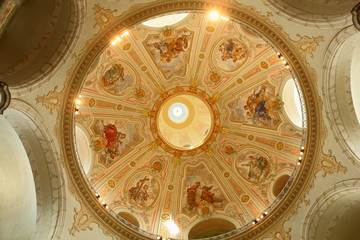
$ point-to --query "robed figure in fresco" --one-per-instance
(257, 167)
(113, 138)
(170, 48)
(191, 196)
(257, 108)
(195, 196)
(232, 50)
(139, 193)
(113, 76)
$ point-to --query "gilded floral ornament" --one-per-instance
(103, 16)
(329, 165)
(82, 221)
(308, 45)
(51, 100)
(281, 234)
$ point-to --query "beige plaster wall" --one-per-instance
(17, 188)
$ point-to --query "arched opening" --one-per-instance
(166, 20)
(49, 29)
(130, 218)
(342, 90)
(211, 228)
(335, 214)
(44, 165)
(280, 184)
(83, 149)
(354, 81)
(292, 102)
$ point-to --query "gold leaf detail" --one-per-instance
(210, 29)
(92, 102)
(127, 46)
(51, 100)
(329, 165)
(103, 16)
(82, 221)
(281, 235)
(308, 45)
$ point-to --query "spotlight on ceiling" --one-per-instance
(214, 15)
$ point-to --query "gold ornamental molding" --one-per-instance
(241, 13)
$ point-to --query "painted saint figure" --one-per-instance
(232, 50)
(113, 76)
(207, 195)
(256, 106)
(113, 138)
(139, 193)
(257, 167)
(191, 196)
(170, 48)
(195, 197)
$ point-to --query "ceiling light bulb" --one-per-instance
(214, 15)
(173, 228)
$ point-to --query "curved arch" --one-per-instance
(329, 16)
(337, 92)
(240, 13)
(292, 106)
(18, 197)
(50, 29)
(327, 212)
(44, 161)
(210, 228)
(82, 143)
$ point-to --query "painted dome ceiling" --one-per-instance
(186, 123)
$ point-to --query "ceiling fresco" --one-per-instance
(224, 160)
